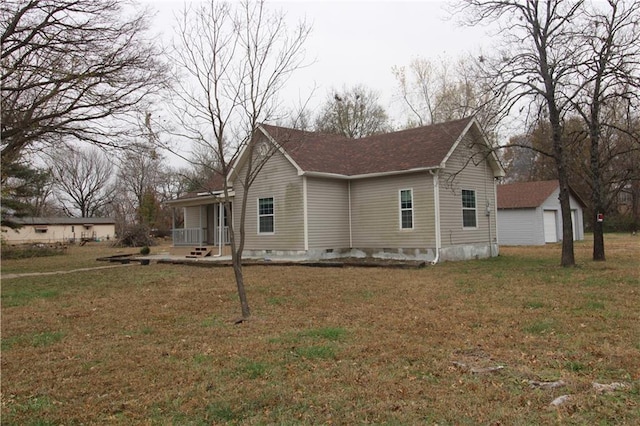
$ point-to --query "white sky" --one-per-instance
(358, 42)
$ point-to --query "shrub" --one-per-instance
(135, 236)
(32, 250)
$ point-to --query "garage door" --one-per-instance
(550, 233)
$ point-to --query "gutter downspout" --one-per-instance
(305, 213)
(350, 231)
(436, 204)
(220, 209)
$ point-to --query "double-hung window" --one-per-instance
(266, 216)
(469, 217)
(406, 209)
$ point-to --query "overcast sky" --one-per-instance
(358, 42)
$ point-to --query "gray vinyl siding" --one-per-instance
(328, 213)
(278, 179)
(520, 227)
(376, 212)
(461, 173)
(192, 217)
(526, 226)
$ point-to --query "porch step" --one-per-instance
(198, 252)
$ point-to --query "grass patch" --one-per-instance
(316, 352)
(23, 295)
(543, 326)
(35, 340)
(593, 305)
(212, 321)
(220, 412)
(251, 369)
(156, 345)
(534, 305)
(325, 333)
(202, 359)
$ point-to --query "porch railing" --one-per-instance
(198, 236)
(225, 235)
(189, 236)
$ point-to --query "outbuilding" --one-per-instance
(59, 230)
(529, 213)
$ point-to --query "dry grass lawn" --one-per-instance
(156, 345)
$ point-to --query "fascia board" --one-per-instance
(367, 175)
(498, 170)
(200, 200)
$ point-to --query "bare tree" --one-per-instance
(140, 171)
(608, 76)
(537, 63)
(236, 58)
(435, 91)
(72, 70)
(354, 113)
(83, 181)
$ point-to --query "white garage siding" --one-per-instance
(520, 227)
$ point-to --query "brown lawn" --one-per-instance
(156, 344)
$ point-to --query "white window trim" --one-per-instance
(400, 209)
(475, 209)
(272, 215)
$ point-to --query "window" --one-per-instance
(265, 215)
(40, 229)
(406, 209)
(469, 208)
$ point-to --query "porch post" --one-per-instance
(200, 226)
(220, 224)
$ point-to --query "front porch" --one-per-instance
(205, 231)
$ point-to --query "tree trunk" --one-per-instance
(567, 257)
(596, 196)
(242, 294)
(598, 238)
(597, 189)
(237, 248)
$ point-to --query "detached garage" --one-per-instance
(529, 213)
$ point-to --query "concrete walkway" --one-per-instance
(38, 274)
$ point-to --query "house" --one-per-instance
(529, 213)
(426, 193)
(59, 229)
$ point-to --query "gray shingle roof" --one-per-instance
(421, 147)
(65, 220)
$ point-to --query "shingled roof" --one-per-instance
(525, 195)
(65, 220)
(418, 148)
(215, 183)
